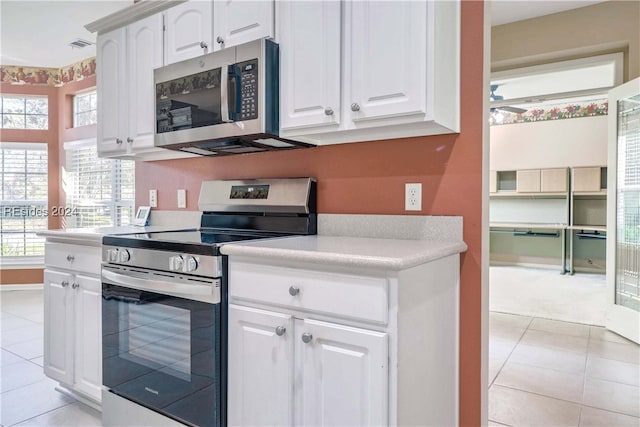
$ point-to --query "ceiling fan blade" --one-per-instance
(515, 110)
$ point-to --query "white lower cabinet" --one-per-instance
(73, 324)
(335, 347)
(279, 360)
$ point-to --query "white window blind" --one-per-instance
(24, 201)
(100, 192)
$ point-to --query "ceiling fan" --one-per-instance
(494, 97)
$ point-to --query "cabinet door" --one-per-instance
(239, 21)
(310, 63)
(554, 180)
(260, 384)
(58, 326)
(113, 111)
(144, 53)
(188, 31)
(528, 181)
(387, 52)
(88, 335)
(342, 364)
(587, 179)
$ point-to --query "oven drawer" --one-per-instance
(78, 258)
(343, 295)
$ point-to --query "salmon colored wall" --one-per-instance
(60, 130)
(369, 178)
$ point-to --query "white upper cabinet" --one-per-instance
(387, 41)
(144, 53)
(309, 63)
(398, 64)
(110, 81)
(188, 30)
(238, 21)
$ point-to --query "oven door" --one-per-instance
(162, 351)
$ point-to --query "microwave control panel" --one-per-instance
(248, 89)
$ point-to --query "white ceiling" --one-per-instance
(38, 33)
(507, 11)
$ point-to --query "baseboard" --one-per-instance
(25, 287)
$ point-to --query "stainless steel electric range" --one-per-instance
(164, 303)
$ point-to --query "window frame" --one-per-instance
(24, 98)
(26, 261)
(76, 100)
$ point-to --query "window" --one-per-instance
(25, 112)
(85, 109)
(100, 192)
(24, 200)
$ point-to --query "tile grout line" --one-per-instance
(510, 353)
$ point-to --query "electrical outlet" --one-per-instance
(153, 198)
(413, 197)
(182, 199)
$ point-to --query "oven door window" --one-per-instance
(162, 352)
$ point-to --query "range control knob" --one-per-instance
(124, 255)
(175, 263)
(191, 264)
(113, 255)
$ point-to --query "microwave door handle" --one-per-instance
(224, 94)
(157, 286)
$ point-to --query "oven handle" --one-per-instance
(130, 280)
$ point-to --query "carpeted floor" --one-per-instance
(580, 298)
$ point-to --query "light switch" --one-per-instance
(153, 198)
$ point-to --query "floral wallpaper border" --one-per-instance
(552, 112)
(21, 75)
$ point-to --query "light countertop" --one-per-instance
(358, 252)
(94, 235)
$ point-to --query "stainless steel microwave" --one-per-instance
(225, 102)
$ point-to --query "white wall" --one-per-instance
(547, 144)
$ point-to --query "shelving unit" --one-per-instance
(532, 203)
(546, 203)
(589, 215)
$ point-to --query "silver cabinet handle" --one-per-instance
(220, 40)
(129, 140)
(204, 45)
(294, 290)
(75, 285)
(70, 258)
(355, 107)
(307, 337)
(118, 141)
(280, 330)
(64, 283)
(328, 111)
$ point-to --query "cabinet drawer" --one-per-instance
(349, 296)
(73, 257)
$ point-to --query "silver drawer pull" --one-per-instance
(70, 258)
(75, 285)
(280, 330)
(220, 40)
(355, 107)
(294, 290)
(328, 111)
(64, 283)
(204, 45)
(307, 337)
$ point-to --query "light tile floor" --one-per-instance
(541, 373)
(28, 397)
(551, 373)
